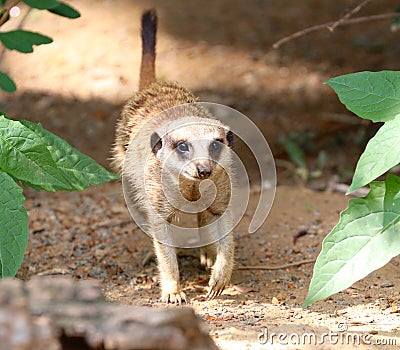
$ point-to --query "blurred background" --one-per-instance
(222, 51)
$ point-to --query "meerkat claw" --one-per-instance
(175, 298)
(213, 293)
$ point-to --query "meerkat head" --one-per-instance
(197, 150)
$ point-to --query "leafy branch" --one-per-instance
(39, 159)
(32, 156)
(367, 235)
(24, 40)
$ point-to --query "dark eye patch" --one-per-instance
(215, 147)
(181, 147)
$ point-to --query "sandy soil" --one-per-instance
(76, 86)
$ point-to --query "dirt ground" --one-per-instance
(222, 51)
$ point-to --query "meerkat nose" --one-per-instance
(203, 173)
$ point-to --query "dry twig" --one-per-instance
(348, 15)
(337, 24)
(278, 267)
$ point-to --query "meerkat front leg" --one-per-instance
(168, 269)
(169, 274)
(223, 266)
(221, 271)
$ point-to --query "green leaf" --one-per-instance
(54, 6)
(79, 169)
(370, 95)
(295, 153)
(14, 226)
(42, 4)
(381, 154)
(365, 239)
(65, 10)
(22, 40)
(41, 160)
(25, 157)
(6, 83)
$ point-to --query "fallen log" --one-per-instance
(54, 313)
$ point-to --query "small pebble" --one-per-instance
(387, 285)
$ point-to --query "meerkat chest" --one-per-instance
(189, 190)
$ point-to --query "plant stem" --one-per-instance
(4, 16)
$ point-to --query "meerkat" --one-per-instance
(178, 151)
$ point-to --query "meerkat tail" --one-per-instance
(149, 31)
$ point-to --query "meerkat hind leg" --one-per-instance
(208, 255)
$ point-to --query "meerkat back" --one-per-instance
(152, 98)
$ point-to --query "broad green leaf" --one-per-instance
(22, 40)
(381, 154)
(25, 157)
(370, 95)
(14, 226)
(365, 239)
(65, 10)
(43, 161)
(42, 4)
(6, 83)
(54, 6)
(79, 169)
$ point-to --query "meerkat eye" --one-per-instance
(215, 147)
(182, 147)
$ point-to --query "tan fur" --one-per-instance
(136, 125)
(141, 108)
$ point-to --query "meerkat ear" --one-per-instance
(230, 139)
(155, 142)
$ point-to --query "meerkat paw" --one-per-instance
(177, 297)
(218, 281)
(171, 293)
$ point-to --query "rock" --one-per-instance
(60, 313)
